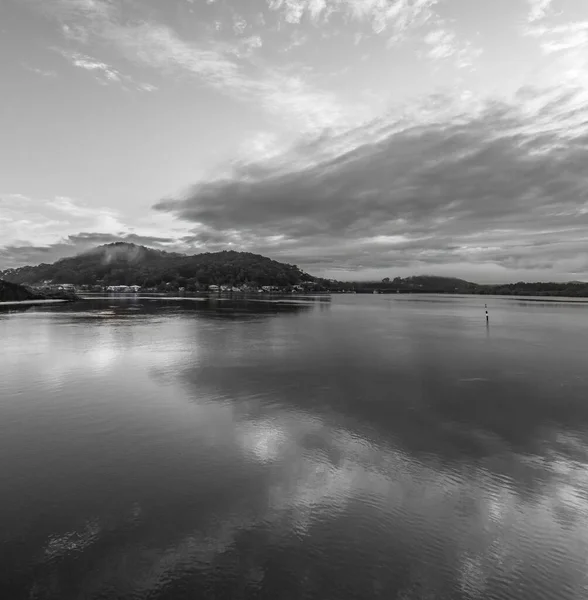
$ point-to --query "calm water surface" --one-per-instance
(354, 447)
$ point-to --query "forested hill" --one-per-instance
(449, 285)
(431, 283)
(122, 263)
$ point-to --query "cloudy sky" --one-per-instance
(355, 138)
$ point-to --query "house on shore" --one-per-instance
(123, 288)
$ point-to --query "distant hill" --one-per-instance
(420, 283)
(434, 282)
(122, 263)
(431, 284)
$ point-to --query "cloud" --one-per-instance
(42, 230)
(395, 17)
(277, 91)
(66, 10)
(15, 255)
(88, 63)
(564, 41)
(280, 93)
(487, 189)
(147, 87)
(297, 39)
(247, 46)
(254, 41)
(103, 72)
(37, 230)
(239, 24)
(221, 66)
(262, 146)
(49, 73)
(444, 44)
(75, 33)
(538, 9)
(25, 220)
(556, 38)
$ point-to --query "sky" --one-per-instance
(358, 139)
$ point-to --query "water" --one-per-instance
(353, 447)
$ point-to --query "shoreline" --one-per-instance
(31, 302)
(265, 297)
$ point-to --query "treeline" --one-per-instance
(420, 284)
(129, 264)
(11, 292)
(570, 289)
(449, 285)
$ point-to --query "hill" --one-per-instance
(122, 263)
(12, 292)
(417, 284)
(434, 283)
(431, 284)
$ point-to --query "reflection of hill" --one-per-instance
(9, 308)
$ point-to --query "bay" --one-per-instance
(305, 447)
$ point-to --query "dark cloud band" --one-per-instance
(500, 184)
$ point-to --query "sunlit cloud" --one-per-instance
(538, 9)
(103, 72)
(153, 45)
(557, 38)
(443, 44)
(394, 19)
(279, 93)
(90, 64)
(49, 73)
(497, 186)
(32, 220)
